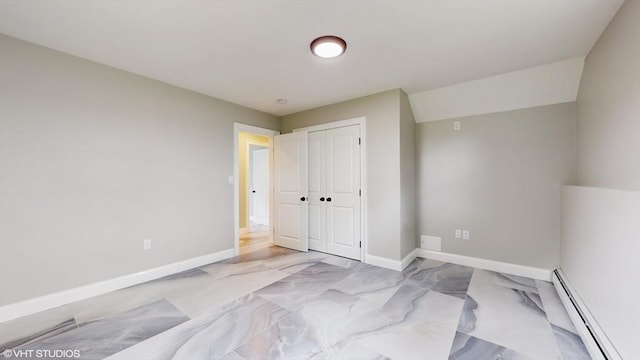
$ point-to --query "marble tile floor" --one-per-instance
(275, 303)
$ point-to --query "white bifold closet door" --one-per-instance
(334, 191)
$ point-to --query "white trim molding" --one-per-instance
(50, 301)
(384, 262)
(397, 265)
(513, 269)
(583, 320)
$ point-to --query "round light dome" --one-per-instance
(328, 46)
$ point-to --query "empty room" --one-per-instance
(280, 179)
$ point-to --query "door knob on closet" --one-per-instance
(322, 198)
(303, 198)
(329, 199)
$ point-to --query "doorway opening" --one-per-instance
(253, 158)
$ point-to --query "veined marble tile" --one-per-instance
(444, 278)
(369, 280)
(312, 329)
(119, 301)
(108, 336)
(303, 286)
(38, 335)
(556, 313)
(342, 262)
(486, 277)
(569, 342)
(220, 270)
(414, 322)
(353, 351)
(211, 335)
(221, 291)
(298, 260)
(232, 356)
(467, 347)
(508, 317)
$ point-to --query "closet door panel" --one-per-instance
(317, 180)
(343, 185)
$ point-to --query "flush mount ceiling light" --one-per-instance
(328, 46)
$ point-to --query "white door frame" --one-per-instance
(362, 121)
(237, 128)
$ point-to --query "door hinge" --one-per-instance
(360, 243)
(360, 192)
(359, 141)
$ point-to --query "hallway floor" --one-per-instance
(258, 237)
(276, 303)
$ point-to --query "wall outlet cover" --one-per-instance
(433, 243)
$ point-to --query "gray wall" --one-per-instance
(93, 160)
(601, 218)
(609, 106)
(408, 191)
(500, 178)
(383, 161)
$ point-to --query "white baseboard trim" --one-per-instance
(408, 259)
(503, 267)
(50, 301)
(579, 321)
(397, 265)
(383, 262)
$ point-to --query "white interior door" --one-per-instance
(317, 191)
(260, 186)
(343, 191)
(290, 178)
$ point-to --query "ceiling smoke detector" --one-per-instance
(328, 46)
(282, 101)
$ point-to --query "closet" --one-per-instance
(334, 191)
(318, 191)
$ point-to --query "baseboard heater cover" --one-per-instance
(597, 344)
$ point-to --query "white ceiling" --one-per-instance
(254, 52)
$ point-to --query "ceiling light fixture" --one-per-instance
(282, 101)
(328, 46)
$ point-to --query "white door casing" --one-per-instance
(290, 180)
(260, 186)
(343, 191)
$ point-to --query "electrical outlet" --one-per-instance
(456, 125)
(146, 244)
(458, 233)
(465, 234)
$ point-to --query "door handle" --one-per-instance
(322, 198)
(303, 198)
(329, 199)
(253, 191)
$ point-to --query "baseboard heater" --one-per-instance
(594, 339)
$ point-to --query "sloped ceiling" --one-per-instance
(254, 52)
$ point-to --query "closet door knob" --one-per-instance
(329, 199)
(303, 198)
(322, 198)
